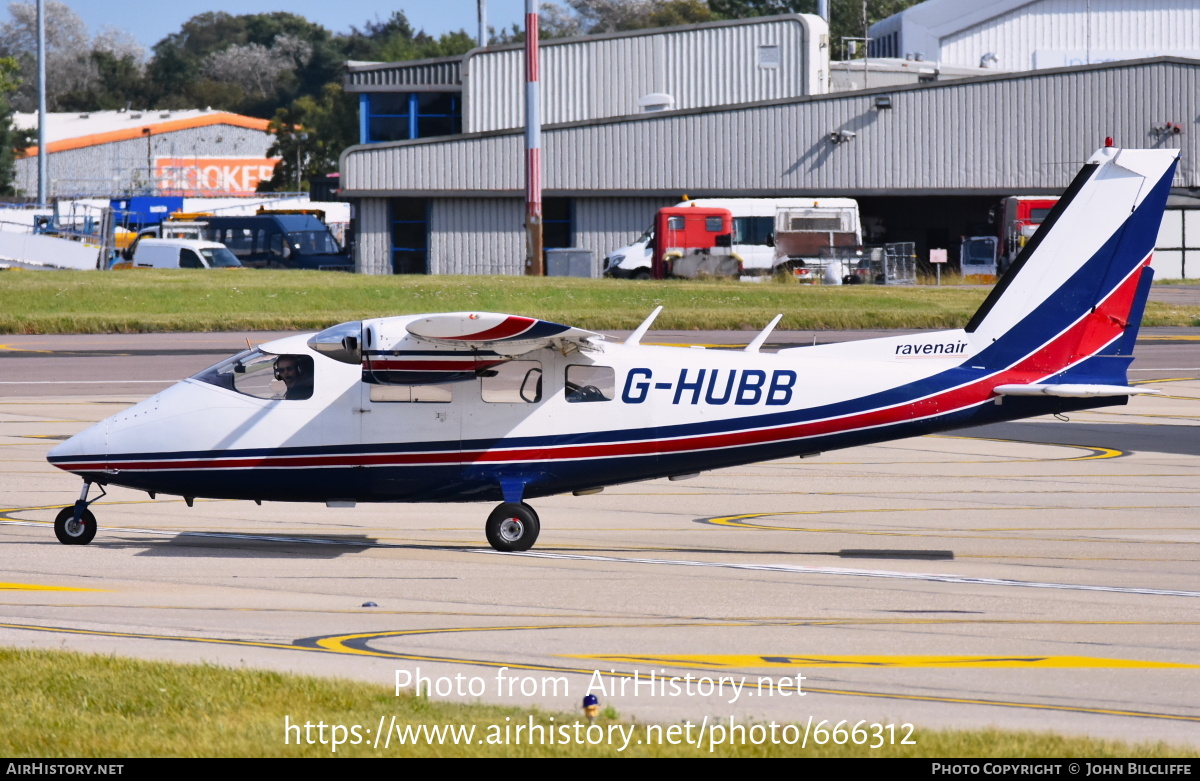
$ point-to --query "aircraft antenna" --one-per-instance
(636, 336)
(762, 337)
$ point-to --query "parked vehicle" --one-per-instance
(754, 232)
(178, 253)
(269, 239)
(1017, 218)
(819, 243)
(698, 242)
(1021, 216)
(977, 256)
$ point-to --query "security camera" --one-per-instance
(841, 136)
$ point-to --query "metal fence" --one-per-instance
(889, 264)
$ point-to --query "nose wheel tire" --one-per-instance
(512, 526)
(72, 532)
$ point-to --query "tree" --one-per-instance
(117, 82)
(257, 69)
(248, 64)
(593, 17)
(310, 135)
(395, 40)
(71, 65)
(13, 142)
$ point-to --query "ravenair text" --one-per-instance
(712, 386)
(944, 348)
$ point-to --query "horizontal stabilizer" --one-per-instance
(504, 334)
(1072, 391)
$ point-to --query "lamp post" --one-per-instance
(299, 138)
(42, 160)
(149, 162)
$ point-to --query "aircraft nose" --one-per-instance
(84, 452)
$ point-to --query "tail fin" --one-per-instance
(1070, 306)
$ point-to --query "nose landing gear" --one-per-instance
(512, 526)
(76, 525)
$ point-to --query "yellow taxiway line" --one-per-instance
(934, 662)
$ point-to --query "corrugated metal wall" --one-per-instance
(999, 135)
(440, 75)
(107, 170)
(605, 224)
(487, 236)
(373, 248)
(606, 76)
(1139, 26)
(477, 236)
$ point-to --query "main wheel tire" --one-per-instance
(641, 275)
(70, 532)
(512, 526)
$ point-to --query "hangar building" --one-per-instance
(1026, 34)
(111, 153)
(595, 76)
(927, 162)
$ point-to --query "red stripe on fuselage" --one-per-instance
(457, 364)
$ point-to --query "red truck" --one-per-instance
(697, 240)
(1021, 216)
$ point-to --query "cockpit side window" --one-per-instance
(263, 375)
(513, 382)
(590, 383)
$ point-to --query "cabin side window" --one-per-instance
(513, 382)
(590, 383)
(263, 376)
(415, 394)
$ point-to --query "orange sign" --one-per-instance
(210, 176)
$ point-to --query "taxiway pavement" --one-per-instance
(1037, 575)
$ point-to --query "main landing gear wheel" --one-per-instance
(512, 526)
(72, 532)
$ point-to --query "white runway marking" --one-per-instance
(859, 573)
(930, 577)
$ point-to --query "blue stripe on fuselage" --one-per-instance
(481, 482)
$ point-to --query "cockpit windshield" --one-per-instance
(263, 375)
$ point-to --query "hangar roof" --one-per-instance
(66, 131)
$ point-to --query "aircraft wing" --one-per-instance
(1072, 391)
(503, 334)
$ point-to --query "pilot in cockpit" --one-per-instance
(296, 373)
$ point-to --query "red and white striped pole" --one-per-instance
(533, 146)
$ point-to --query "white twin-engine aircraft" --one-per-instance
(481, 406)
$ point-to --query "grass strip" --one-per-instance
(71, 705)
(155, 301)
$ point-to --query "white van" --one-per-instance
(753, 232)
(179, 253)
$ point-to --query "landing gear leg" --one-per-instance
(512, 526)
(76, 525)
